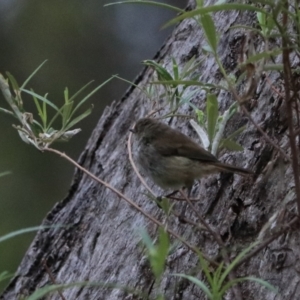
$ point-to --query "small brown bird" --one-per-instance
(172, 159)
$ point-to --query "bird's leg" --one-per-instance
(159, 198)
(181, 217)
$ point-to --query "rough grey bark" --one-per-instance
(102, 244)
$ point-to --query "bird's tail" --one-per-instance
(233, 169)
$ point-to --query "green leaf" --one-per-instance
(146, 239)
(188, 65)
(187, 83)
(26, 230)
(210, 31)
(263, 283)
(212, 114)
(164, 5)
(162, 73)
(16, 89)
(8, 112)
(66, 95)
(13, 81)
(175, 69)
(236, 260)
(197, 282)
(231, 145)
(32, 74)
(236, 133)
(78, 119)
(272, 67)
(80, 91)
(214, 8)
(207, 49)
(40, 111)
(41, 98)
(159, 258)
(90, 94)
(66, 112)
(5, 275)
(2, 174)
(259, 56)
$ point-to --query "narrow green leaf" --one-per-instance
(187, 65)
(162, 248)
(5, 275)
(198, 282)
(210, 31)
(26, 230)
(146, 239)
(45, 113)
(80, 91)
(90, 95)
(261, 17)
(259, 56)
(58, 113)
(214, 8)
(200, 3)
(236, 133)
(205, 269)
(16, 89)
(263, 283)
(236, 260)
(2, 174)
(187, 83)
(191, 69)
(272, 67)
(162, 73)
(212, 114)
(78, 119)
(66, 112)
(41, 98)
(39, 109)
(8, 112)
(13, 81)
(32, 74)
(207, 49)
(175, 69)
(164, 5)
(231, 145)
(143, 90)
(66, 95)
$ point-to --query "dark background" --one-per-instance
(82, 41)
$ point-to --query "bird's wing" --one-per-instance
(183, 146)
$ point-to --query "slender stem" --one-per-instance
(151, 218)
(289, 109)
(217, 237)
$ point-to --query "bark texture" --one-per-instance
(103, 246)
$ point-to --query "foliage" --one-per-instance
(41, 133)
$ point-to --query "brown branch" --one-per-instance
(129, 201)
(287, 80)
(52, 278)
(217, 237)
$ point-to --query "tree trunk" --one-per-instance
(102, 244)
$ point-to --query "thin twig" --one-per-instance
(52, 278)
(151, 218)
(289, 110)
(217, 237)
